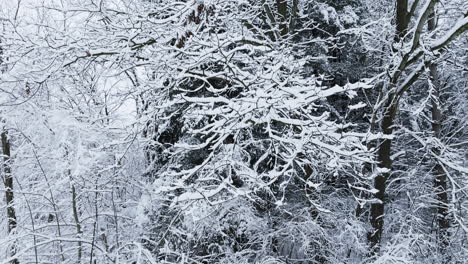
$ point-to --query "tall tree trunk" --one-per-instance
(293, 17)
(401, 19)
(390, 110)
(440, 176)
(384, 152)
(380, 181)
(282, 6)
(9, 194)
(77, 222)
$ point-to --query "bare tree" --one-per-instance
(402, 76)
(9, 191)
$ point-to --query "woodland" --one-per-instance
(234, 131)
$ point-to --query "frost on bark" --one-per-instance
(414, 59)
(384, 151)
(440, 176)
(9, 192)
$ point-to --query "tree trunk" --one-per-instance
(384, 152)
(9, 194)
(293, 17)
(401, 19)
(380, 181)
(282, 6)
(77, 222)
(440, 176)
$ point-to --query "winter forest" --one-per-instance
(234, 131)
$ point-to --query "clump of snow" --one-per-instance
(357, 106)
(348, 17)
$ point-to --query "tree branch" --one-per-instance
(460, 27)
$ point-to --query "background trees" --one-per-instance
(234, 131)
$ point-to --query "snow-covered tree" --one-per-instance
(233, 131)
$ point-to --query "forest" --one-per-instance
(234, 131)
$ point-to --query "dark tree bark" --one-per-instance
(282, 6)
(401, 19)
(384, 152)
(440, 176)
(9, 194)
(77, 222)
(396, 91)
(380, 182)
(293, 18)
